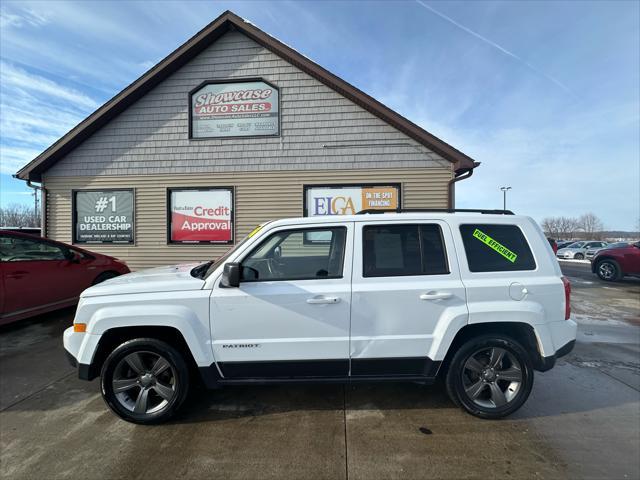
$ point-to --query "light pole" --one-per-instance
(504, 196)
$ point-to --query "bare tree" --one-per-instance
(550, 227)
(17, 215)
(566, 227)
(591, 226)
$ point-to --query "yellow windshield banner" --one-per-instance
(495, 245)
(254, 231)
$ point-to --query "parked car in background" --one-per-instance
(592, 251)
(578, 250)
(38, 275)
(554, 245)
(611, 264)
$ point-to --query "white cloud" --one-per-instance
(36, 111)
(11, 76)
(13, 159)
(22, 17)
(498, 47)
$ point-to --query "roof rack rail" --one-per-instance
(437, 210)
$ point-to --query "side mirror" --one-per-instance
(230, 275)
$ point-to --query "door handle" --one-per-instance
(436, 296)
(319, 300)
(17, 275)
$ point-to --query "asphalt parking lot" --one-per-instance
(581, 421)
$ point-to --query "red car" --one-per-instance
(612, 264)
(38, 275)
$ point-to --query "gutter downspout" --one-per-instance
(43, 196)
(462, 175)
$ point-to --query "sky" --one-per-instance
(545, 94)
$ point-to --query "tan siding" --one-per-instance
(258, 198)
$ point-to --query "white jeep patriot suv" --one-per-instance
(476, 298)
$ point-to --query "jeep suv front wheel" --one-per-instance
(490, 376)
(145, 380)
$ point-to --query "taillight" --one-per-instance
(567, 298)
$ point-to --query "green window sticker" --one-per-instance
(495, 245)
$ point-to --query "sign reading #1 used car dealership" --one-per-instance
(349, 199)
(201, 215)
(103, 216)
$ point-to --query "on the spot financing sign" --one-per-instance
(349, 200)
(234, 110)
(202, 216)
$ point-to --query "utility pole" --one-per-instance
(504, 197)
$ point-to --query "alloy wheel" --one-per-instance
(606, 271)
(492, 377)
(144, 382)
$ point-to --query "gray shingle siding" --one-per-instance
(320, 129)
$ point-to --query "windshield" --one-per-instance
(618, 245)
(576, 245)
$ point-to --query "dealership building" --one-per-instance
(232, 129)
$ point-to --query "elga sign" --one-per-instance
(349, 200)
(234, 110)
(201, 216)
(104, 216)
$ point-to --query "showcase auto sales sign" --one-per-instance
(234, 110)
(201, 216)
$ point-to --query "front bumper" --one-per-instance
(77, 347)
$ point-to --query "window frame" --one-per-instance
(169, 192)
(74, 216)
(290, 231)
(412, 224)
(479, 225)
(216, 81)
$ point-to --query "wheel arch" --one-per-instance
(103, 273)
(523, 333)
(116, 336)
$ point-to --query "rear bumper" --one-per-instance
(547, 363)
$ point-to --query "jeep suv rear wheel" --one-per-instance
(490, 376)
(145, 380)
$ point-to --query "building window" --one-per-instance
(200, 215)
(247, 108)
(103, 216)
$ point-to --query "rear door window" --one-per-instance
(402, 250)
(496, 248)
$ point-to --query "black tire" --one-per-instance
(457, 377)
(578, 256)
(608, 270)
(147, 349)
(104, 276)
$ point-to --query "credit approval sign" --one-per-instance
(350, 199)
(203, 215)
(239, 109)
